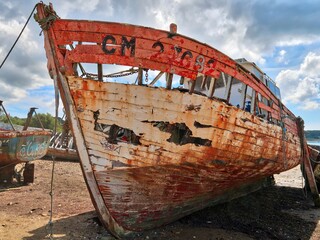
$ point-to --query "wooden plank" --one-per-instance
(243, 95)
(220, 146)
(157, 114)
(140, 76)
(169, 77)
(156, 78)
(213, 53)
(306, 165)
(228, 88)
(212, 87)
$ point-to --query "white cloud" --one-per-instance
(302, 85)
(73, 8)
(250, 29)
(281, 57)
(25, 68)
(311, 105)
(311, 65)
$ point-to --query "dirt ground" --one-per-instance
(283, 211)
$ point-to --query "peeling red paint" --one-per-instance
(142, 174)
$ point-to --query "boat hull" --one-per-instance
(151, 155)
(22, 146)
(174, 152)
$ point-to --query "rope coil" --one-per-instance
(45, 23)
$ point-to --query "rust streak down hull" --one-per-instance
(157, 181)
(152, 155)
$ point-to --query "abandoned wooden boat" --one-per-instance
(18, 144)
(62, 146)
(153, 154)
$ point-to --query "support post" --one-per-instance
(100, 71)
(211, 87)
(140, 76)
(169, 77)
(29, 117)
(192, 85)
(5, 112)
(307, 164)
(156, 78)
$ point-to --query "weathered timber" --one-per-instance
(19, 145)
(306, 165)
(151, 155)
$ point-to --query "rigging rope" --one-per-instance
(49, 226)
(18, 37)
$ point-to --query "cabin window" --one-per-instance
(196, 85)
(249, 100)
(263, 113)
(274, 89)
(223, 86)
(237, 93)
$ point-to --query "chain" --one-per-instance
(147, 75)
(115, 75)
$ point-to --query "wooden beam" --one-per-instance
(28, 120)
(306, 164)
(156, 78)
(211, 87)
(5, 112)
(223, 75)
(228, 88)
(169, 77)
(204, 81)
(181, 80)
(243, 95)
(140, 76)
(100, 73)
(192, 85)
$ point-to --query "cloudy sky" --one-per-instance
(282, 37)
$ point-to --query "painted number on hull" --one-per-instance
(182, 57)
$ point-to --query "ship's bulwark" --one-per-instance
(159, 154)
(22, 146)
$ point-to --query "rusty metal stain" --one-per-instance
(139, 175)
(22, 146)
(250, 152)
(245, 146)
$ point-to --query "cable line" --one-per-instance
(18, 37)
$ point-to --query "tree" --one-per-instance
(47, 120)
